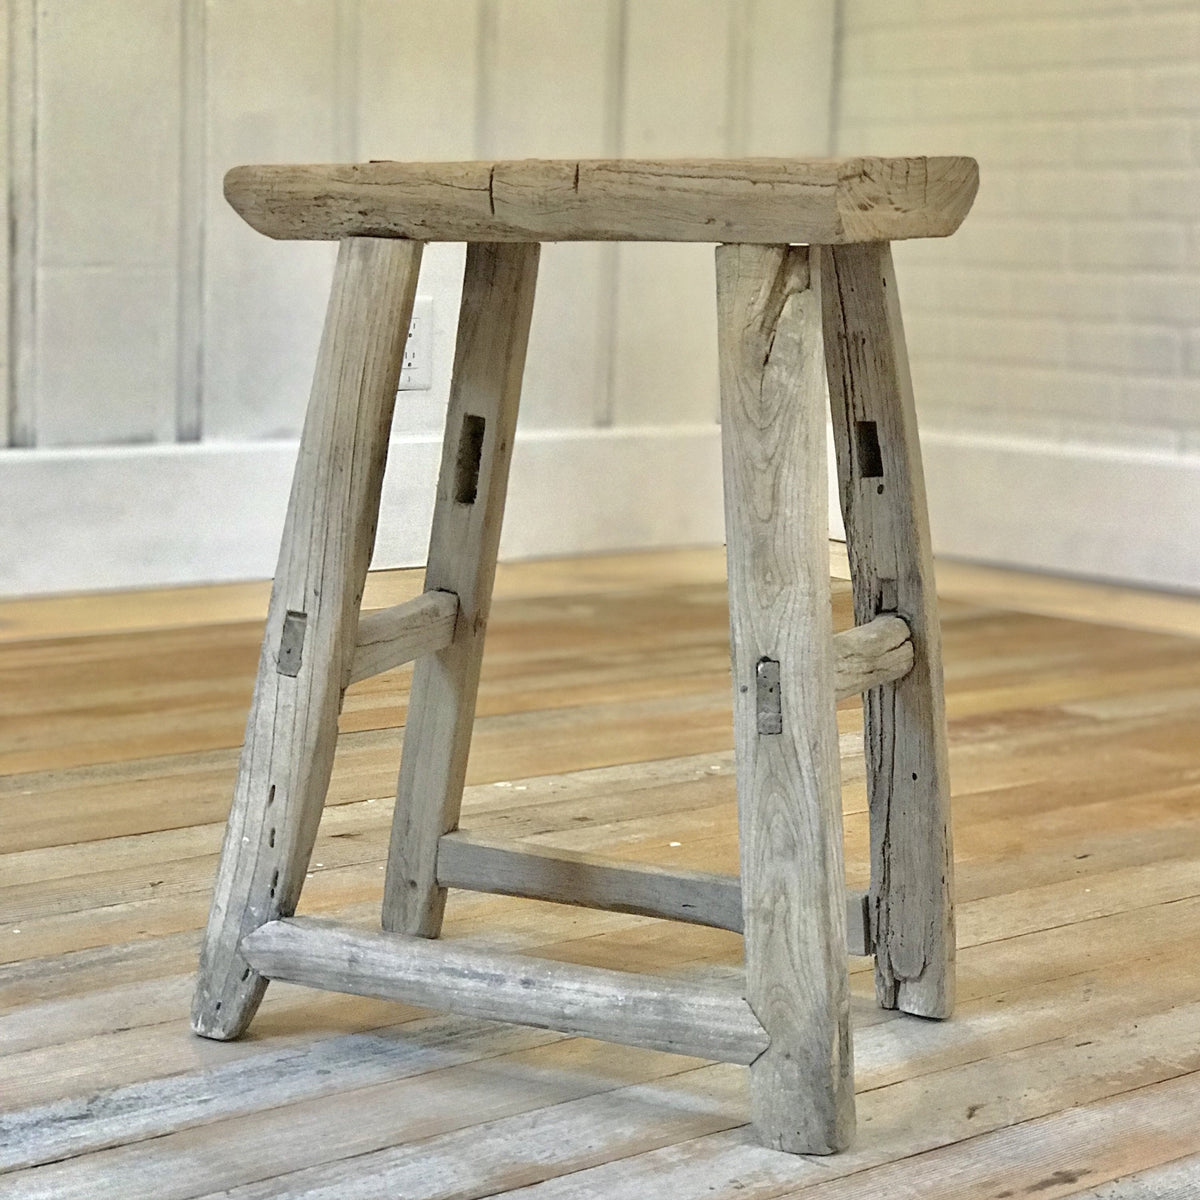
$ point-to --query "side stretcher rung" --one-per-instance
(397, 635)
(866, 656)
(589, 881)
(617, 1006)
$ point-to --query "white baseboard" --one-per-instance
(141, 516)
(1129, 515)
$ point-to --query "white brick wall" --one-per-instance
(1066, 309)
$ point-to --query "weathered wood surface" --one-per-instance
(1074, 755)
(481, 420)
(506, 868)
(871, 655)
(394, 636)
(789, 792)
(308, 646)
(882, 493)
(766, 200)
(617, 1006)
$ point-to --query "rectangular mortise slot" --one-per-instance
(866, 446)
(470, 451)
(768, 697)
(291, 649)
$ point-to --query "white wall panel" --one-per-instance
(108, 81)
(105, 355)
(676, 102)
(417, 100)
(549, 71)
(272, 97)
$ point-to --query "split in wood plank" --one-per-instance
(788, 780)
(822, 201)
(882, 493)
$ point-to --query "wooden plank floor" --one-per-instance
(1072, 1067)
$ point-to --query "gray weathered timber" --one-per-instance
(789, 795)
(635, 1010)
(489, 359)
(397, 635)
(507, 868)
(870, 655)
(327, 540)
(588, 880)
(766, 200)
(882, 492)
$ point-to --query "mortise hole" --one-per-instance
(217, 1006)
(274, 884)
(866, 443)
(245, 974)
(271, 836)
(470, 451)
(271, 796)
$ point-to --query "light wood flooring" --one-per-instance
(1072, 1067)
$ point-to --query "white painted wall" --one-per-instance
(1055, 340)
(146, 317)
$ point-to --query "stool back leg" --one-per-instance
(785, 727)
(887, 534)
(497, 303)
(309, 641)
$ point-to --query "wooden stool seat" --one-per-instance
(771, 201)
(789, 316)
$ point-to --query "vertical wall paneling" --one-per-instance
(5, 374)
(272, 79)
(22, 222)
(193, 182)
(417, 97)
(548, 80)
(108, 117)
(675, 104)
(788, 80)
(603, 405)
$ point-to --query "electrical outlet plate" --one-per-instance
(416, 373)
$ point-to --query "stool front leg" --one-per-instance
(785, 727)
(481, 419)
(887, 535)
(309, 641)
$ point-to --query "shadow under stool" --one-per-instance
(805, 290)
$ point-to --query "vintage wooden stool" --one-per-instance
(804, 282)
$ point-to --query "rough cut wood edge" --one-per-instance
(291, 730)
(614, 1006)
(788, 777)
(507, 868)
(882, 491)
(481, 420)
(870, 655)
(765, 200)
(394, 636)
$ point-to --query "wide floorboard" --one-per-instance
(1072, 1067)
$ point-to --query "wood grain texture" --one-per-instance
(882, 491)
(789, 797)
(870, 655)
(394, 636)
(1075, 764)
(506, 868)
(497, 303)
(328, 535)
(635, 1010)
(765, 200)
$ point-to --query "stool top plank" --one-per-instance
(828, 201)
